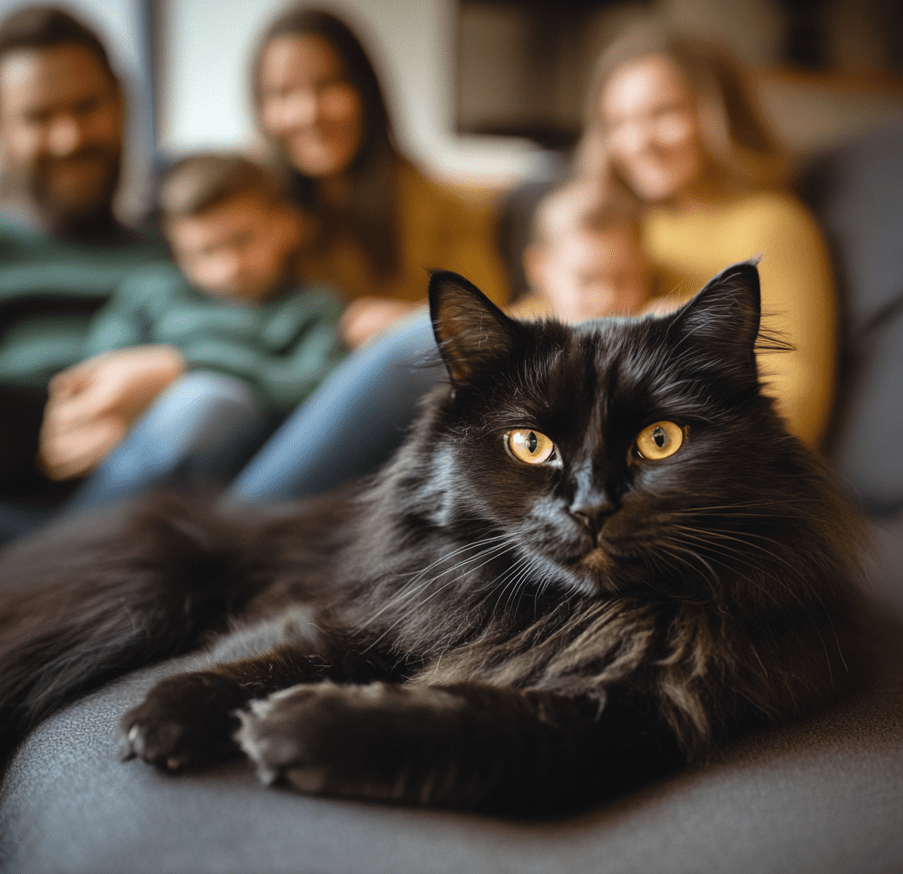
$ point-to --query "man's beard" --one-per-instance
(67, 208)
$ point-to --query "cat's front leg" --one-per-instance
(186, 721)
(189, 720)
(465, 746)
(353, 741)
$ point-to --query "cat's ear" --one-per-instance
(724, 317)
(470, 330)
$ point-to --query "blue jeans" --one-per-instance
(352, 423)
(197, 433)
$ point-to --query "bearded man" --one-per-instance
(62, 249)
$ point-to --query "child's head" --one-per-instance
(586, 255)
(231, 231)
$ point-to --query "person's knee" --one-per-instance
(200, 390)
(198, 410)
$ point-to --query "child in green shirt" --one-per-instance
(190, 368)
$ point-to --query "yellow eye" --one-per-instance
(531, 447)
(659, 440)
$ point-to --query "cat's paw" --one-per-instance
(354, 741)
(186, 721)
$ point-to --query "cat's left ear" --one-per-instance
(470, 329)
(724, 317)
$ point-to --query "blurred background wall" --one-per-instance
(482, 88)
(823, 68)
(205, 91)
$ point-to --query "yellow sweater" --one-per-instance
(797, 290)
(439, 230)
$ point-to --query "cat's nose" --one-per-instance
(592, 513)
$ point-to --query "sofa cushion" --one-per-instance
(854, 191)
(865, 447)
(825, 796)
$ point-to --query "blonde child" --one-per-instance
(585, 258)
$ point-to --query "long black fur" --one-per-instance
(469, 630)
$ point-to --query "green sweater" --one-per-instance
(49, 290)
(282, 348)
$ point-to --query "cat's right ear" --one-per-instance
(470, 330)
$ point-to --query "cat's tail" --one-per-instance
(79, 609)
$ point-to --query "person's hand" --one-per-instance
(76, 452)
(365, 317)
(123, 382)
(93, 404)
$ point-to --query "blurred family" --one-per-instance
(284, 348)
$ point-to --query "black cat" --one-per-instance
(598, 555)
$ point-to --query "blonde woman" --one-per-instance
(670, 121)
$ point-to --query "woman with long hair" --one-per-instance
(670, 122)
(377, 222)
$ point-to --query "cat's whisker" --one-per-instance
(512, 578)
(530, 576)
(545, 583)
(411, 588)
(510, 582)
(398, 600)
(728, 511)
(727, 552)
(710, 537)
(717, 547)
(658, 558)
(474, 544)
(693, 565)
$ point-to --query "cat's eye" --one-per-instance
(528, 446)
(659, 440)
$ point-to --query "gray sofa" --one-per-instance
(822, 796)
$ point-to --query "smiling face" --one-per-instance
(61, 130)
(308, 105)
(239, 248)
(652, 131)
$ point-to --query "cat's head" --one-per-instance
(619, 452)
